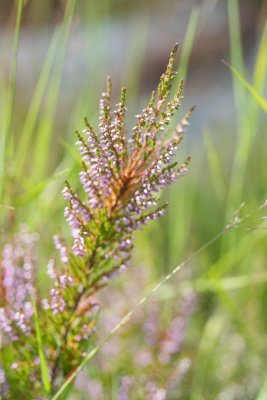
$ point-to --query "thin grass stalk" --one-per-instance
(177, 228)
(7, 142)
(43, 363)
(34, 109)
(43, 141)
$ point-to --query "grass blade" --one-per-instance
(43, 363)
(8, 147)
(175, 234)
(34, 110)
(45, 131)
(188, 42)
(12, 78)
(36, 190)
(247, 120)
(260, 100)
(215, 169)
(237, 59)
(261, 62)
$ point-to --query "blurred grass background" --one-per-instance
(53, 69)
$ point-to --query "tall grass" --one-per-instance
(6, 148)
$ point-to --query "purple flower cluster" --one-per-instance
(18, 266)
(121, 176)
(62, 247)
(62, 281)
(57, 300)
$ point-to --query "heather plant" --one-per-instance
(44, 338)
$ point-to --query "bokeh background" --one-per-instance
(203, 334)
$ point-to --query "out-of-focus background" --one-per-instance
(203, 335)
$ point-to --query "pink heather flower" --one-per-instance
(18, 266)
(122, 181)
